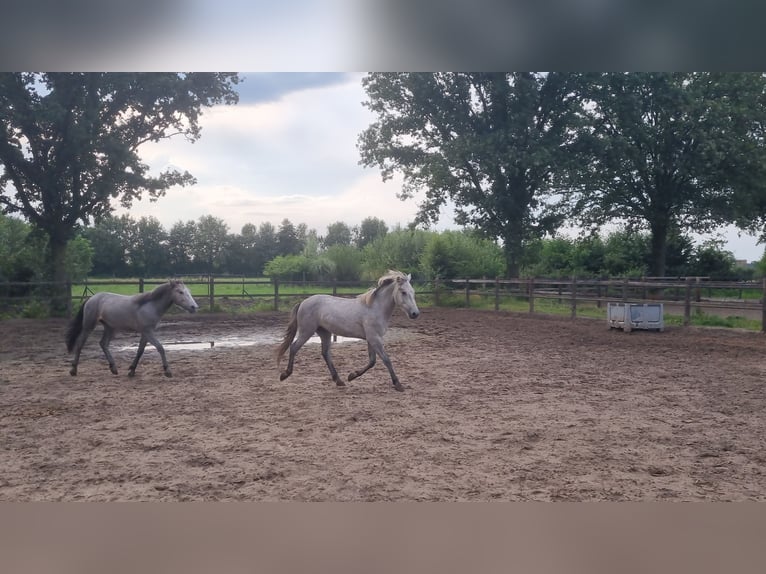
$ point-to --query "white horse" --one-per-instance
(365, 317)
(139, 313)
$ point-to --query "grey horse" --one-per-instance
(138, 313)
(365, 317)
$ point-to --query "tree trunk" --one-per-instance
(513, 247)
(57, 273)
(659, 243)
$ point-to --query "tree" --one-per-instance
(111, 239)
(210, 243)
(288, 241)
(182, 239)
(69, 142)
(268, 247)
(670, 151)
(711, 260)
(400, 249)
(20, 252)
(490, 142)
(148, 250)
(338, 233)
(369, 230)
(457, 254)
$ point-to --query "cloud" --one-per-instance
(293, 157)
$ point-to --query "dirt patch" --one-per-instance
(497, 406)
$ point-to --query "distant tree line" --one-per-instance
(518, 154)
(125, 247)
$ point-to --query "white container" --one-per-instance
(629, 316)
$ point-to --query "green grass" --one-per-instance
(259, 296)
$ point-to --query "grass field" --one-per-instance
(253, 294)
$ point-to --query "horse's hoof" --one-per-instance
(131, 373)
(398, 387)
(352, 376)
(283, 376)
(340, 383)
(114, 371)
(73, 372)
(168, 374)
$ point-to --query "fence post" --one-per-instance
(334, 287)
(436, 291)
(688, 302)
(140, 284)
(531, 289)
(211, 291)
(276, 294)
(763, 307)
(467, 293)
(497, 293)
(625, 290)
(574, 296)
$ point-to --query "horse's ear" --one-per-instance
(409, 276)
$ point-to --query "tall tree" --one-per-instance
(672, 151)
(338, 233)
(490, 142)
(211, 242)
(111, 239)
(369, 230)
(268, 247)
(182, 239)
(148, 250)
(288, 240)
(69, 142)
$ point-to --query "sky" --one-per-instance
(288, 150)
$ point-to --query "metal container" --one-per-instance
(629, 316)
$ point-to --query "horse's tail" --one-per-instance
(74, 329)
(292, 329)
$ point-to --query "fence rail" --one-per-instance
(687, 295)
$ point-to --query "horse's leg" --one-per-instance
(377, 344)
(370, 364)
(326, 338)
(87, 326)
(134, 364)
(300, 340)
(106, 338)
(77, 349)
(161, 350)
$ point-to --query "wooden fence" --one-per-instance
(685, 296)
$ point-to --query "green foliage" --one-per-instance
(669, 151)
(338, 233)
(78, 259)
(21, 252)
(711, 260)
(210, 243)
(456, 254)
(369, 230)
(492, 143)
(292, 267)
(347, 262)
(399, 249)
(84, 131)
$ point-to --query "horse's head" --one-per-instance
(182, 297)
(404, 295)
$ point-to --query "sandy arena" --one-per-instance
(497, 406)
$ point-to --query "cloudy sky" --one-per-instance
(288, 150)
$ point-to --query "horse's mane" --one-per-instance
(369, 296)
(156, 293)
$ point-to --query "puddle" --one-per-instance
(229, 341)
